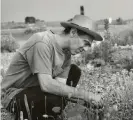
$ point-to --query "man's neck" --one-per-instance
(62, 41)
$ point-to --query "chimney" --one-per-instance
(82, 10)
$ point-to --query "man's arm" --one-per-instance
(62, 80)
(40, 62)
(55, 87)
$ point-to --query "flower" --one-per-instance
(115, 107)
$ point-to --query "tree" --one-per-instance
(119, 21)
(106, 24)
(30, 20)
(106, 27)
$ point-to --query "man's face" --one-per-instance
(80, 43)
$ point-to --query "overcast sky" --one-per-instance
(59, 10)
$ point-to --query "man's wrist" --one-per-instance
(83, 94)
(80, 93)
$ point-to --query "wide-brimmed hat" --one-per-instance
(84, 24)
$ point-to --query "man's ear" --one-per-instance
(73, 32)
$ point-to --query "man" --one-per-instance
(41, 69)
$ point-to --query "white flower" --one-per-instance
(115, 107)
(90, 67)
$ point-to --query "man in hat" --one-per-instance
(41, 73)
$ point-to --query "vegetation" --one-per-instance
(106, 69)
(120, 21)
(34, 30)
(13, 25)
(8, 43)
(116, 84)
(30, 20)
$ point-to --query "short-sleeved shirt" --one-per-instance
(40, 54)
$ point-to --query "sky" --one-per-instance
(60, 10)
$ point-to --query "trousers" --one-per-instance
(41, 103)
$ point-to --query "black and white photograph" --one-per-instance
(66, 60)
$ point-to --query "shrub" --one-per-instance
(30, 19)
(120, 21)
(117, 88)
(29, 31)
(34, 30)
(123, 58)
(8, 43)
(103, 51)
(78, 60)
(126, 37)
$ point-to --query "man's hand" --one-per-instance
(89, 96)
(96, 101)
(96, 97)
